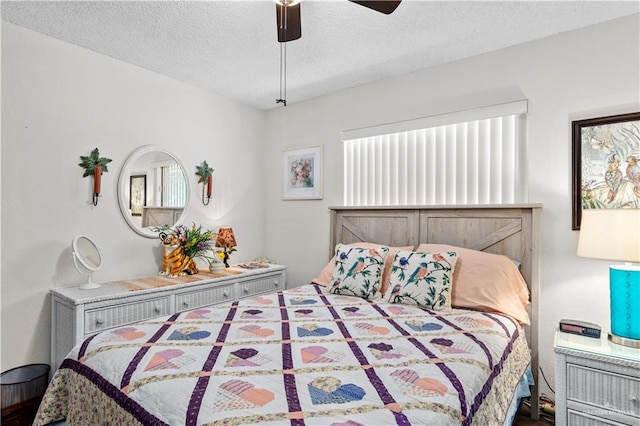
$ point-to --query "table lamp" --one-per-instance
(614, 234)
(227, 240)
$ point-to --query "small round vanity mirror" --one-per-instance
(153, 190)
(86, 258)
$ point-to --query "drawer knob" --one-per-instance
(225, 295)
(156, 309)
(276, 283)
(246, 290)
(99, 321)
(634, 398)
(185, 304)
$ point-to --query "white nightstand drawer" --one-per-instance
(113, 316)
(210, 296)
(610, 391)
(577, 418)
(258, 286)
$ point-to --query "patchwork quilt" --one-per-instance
(302, 356)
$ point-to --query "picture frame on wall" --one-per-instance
(302, 174)
(605, 163)
(137, 194)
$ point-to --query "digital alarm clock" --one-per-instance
(580, 327)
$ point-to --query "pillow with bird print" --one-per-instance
(422, 279)
(358, 271)
(326, 274)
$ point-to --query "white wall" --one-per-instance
(582, 74)
(59, 102)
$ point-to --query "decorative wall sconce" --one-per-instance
(227, 240)
(205, 177)
(94, 165)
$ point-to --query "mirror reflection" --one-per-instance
(153, 190)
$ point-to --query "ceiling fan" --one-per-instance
(288, 15)
(289, 29)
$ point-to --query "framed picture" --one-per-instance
(138, 194)
(606, 163)
(302, 178)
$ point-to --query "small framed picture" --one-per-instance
(138, 194)
(302, 178)
(606, 164)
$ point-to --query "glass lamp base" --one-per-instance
(625, 341)
(624, 286)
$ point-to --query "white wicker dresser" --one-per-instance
(597, 382)
(77, 313)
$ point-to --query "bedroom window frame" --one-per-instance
(470, 157)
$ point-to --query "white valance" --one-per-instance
(491, 111)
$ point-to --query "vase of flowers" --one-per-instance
(194, 241)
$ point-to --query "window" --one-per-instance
(173, 187)
(469, 157)
(169, 186)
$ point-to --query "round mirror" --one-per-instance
(87, 259)
(153, 190)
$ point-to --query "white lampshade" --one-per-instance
(610, 234)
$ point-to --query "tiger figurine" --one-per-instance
(174, 261)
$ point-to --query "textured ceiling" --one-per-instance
(230, 47)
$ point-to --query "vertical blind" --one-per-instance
(174, 189)
(478, 161)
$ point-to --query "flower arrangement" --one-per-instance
(195, 241)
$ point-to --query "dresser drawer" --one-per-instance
(260, 285)
(113, 316)
(209, 296)
(609, 391)
(77, 313)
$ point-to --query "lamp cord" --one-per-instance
(545, 380)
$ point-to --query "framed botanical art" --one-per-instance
(302, 179)
(138, 194)
(606, 164)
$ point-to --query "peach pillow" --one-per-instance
(486, 281)
(325, 276)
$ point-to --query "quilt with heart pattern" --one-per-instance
(301, 356)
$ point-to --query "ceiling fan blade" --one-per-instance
(288, 20)
(382, 6)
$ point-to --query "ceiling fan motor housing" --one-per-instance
(288, 15)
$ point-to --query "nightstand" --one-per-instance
(597, 381)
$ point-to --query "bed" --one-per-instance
(327, 353)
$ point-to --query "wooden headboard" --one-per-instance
(509, 229)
